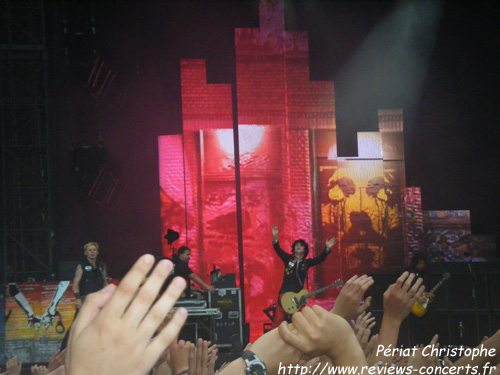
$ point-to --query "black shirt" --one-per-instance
(92, 278)
(296, 270)
(182, 269)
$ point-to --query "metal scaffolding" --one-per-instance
(26, 204)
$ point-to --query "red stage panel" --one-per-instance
(218, 232)
(172, 193)
(289, 172)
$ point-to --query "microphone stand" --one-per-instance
(474, 294)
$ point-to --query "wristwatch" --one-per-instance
(255, 366)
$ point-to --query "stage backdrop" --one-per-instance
(31, 332)
(448, 238)
(290, 174)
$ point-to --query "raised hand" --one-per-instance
(212, 358)
(348, 303)
(113, 333)
(317, 332)
(39, 370)
(363, 337)
(57, 360)
(370, 348)
(331, 242)
(364, 320)
(273, 351)
(179, 356)
(400, 297)
(274, 230)
(198, 358)
(14, 366)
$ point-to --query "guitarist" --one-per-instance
(419, 268)
(296, 268)
(424, 327)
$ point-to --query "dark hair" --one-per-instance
(182, 250)
(303, 243)
(417, 257)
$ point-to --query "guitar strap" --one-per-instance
(307, 279)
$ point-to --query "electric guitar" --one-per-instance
(420, 308)
(292, 302)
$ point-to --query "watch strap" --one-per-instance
(252, 360)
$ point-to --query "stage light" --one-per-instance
(171, 236)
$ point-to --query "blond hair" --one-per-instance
(90, 244)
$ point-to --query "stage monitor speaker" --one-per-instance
(463, 328)
(229, 327)
(404, 334)
(422, 329)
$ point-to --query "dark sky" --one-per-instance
(438, 61)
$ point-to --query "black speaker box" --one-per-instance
(229, 327)
(495, 291)
(196, 328)
(463, 328)
(461, 294)
(226, 281)
(66, 270)
(495, 320)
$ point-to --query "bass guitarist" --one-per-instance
(296, 268)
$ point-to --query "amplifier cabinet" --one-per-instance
(229, 326)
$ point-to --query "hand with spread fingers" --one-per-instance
(348, 304)
(362, 328)
(114, 333)
(331, 242)
(400, 297)
(364, 320)
(316, 332)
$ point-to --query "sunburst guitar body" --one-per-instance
(420, 307)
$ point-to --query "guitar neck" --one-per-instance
(437, 285)
(320, 290)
